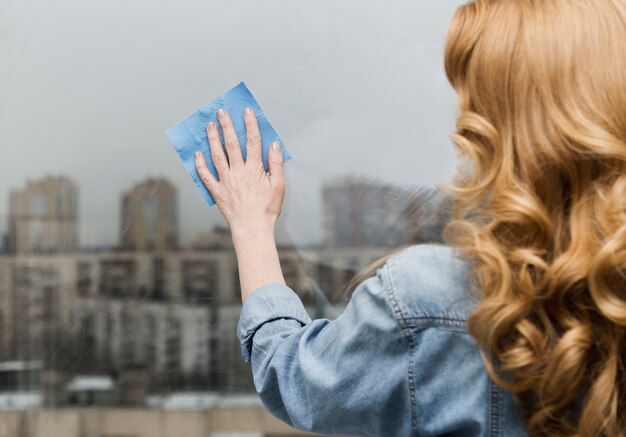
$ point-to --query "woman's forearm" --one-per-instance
(258, 261)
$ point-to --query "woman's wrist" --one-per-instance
(257, 257)
(253, 243)
(244, 235)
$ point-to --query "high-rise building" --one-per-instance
(43, 217)
(361, 212)
(149, 216)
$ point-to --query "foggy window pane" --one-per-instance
(119, 286)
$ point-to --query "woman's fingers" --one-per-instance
(217, 152)
(235, 158)
(275, 164)
(205, 174)
(254, 152)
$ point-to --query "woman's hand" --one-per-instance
(249, 198)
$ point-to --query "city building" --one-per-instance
(149, 216)
(43, 217)
(173, 314)
(218, 238)
(169, 341)
(362, 212)
(157, 320)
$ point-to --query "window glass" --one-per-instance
(119, 288)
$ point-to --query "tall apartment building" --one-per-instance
(362, 212)
(43, 217)
(149, 216)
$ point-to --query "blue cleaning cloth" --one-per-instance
(190, 134)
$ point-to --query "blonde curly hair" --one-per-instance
(540, 202)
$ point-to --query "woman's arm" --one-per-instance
(258, 261)
(346, 376)
(249, 198)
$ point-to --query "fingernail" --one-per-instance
(211, 125)
(274, 145)
(221, 112)
(247, 111)
(197, 155)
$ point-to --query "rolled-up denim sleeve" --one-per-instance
(269, 303)
(344, 376)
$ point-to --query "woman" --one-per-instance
(518, 324)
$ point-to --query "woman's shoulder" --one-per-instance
(428, 285)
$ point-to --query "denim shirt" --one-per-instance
(398, 361)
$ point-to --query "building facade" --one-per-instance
(362, 212)
(368, 213)
(43, 217)
(149, 216)
(172, 313)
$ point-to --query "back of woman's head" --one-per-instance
(541, 206)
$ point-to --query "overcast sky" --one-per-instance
(88, 88)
